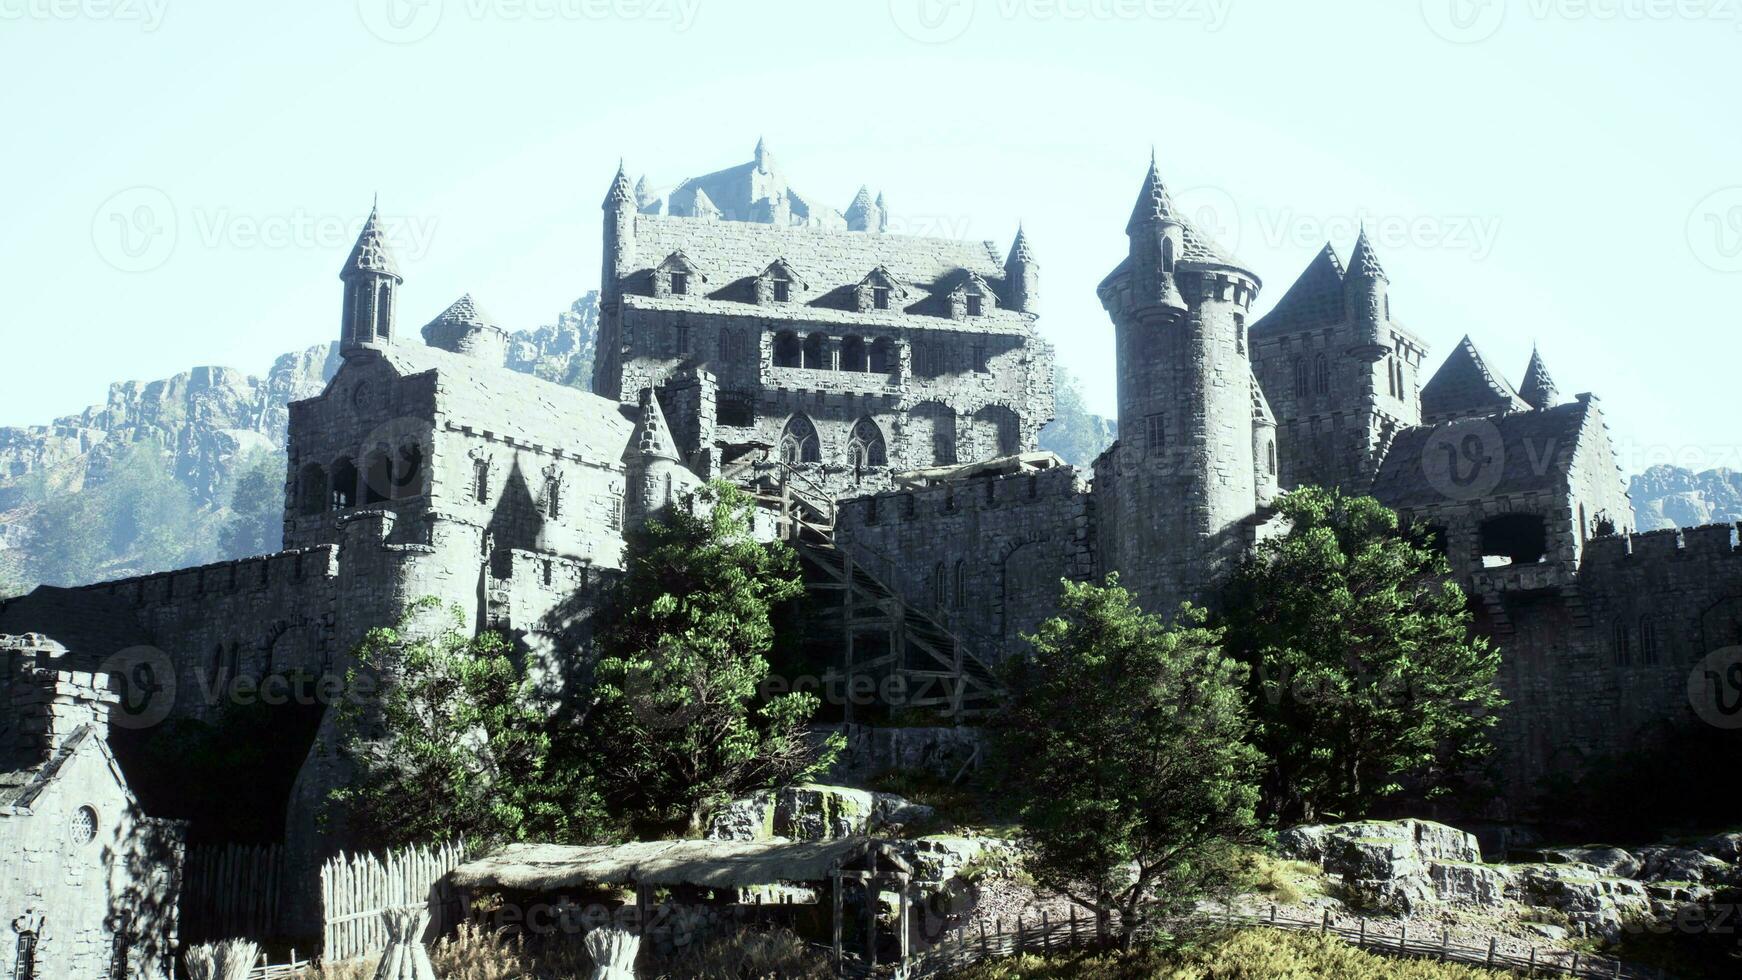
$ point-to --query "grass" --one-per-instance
(1277, 880)
(1246, 954)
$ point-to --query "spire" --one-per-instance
(1020, 251)
(371, 254)
(641, 193)
(1153, 201)
(652, 437)
(862, 215)
(703, 206)
(764, 159)
(1538, 388)
(620, 192)
(1364, 262)
(464, 328)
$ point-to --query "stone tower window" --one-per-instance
(481, 480)
(1154, 434)
(312, 489)
(1300, 377)
(1270, 454)
(737, 408)
(1647, 639)
(1240, 332)
(1321, 375)
(939, 585)
(83, 828)
(788, 349)
(1623, 645)
(551, 500)
(1167, 255)
(961, 598)
(344, 484)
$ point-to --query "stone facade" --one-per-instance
(88, 882)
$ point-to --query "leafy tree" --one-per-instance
(256, 512)
(1365, 674)
(681, 721)
(1122, 744)
(132, 517)
(447, 741)
(11, 582)
(1075, 433)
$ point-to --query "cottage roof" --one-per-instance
(707, 863)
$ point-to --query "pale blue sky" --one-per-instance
(1568, 171)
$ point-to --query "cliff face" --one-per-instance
(1671, 496)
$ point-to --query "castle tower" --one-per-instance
(1022, 273)
(1366, 299)
(1181, 480)
(1538, 388)
(882, 213)
(372, 280)
(862, 214)
(653, 469)
(619, 251)
(465, 329)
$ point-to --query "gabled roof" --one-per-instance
(1315, 299)
(781, 267)
(22, 786)
(1405, 478)
(371, 254)
(741, 193)
(1466, 386)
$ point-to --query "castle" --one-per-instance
(881, 395)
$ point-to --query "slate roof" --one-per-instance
(652, 437)
(708, 863)
(1465, 385)
(371, 253)
(517, 406)
(738, 193)
(23, 783)
(463, 312)
(1315, 299)
(1538, 388)
(1537, 450)
(1363, 261)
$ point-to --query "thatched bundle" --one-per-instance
(405, 958)
(232, 959)
(613, 952)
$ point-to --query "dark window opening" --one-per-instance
(788, 349)
(880, 298)
(1240, 332)
(344, 484)
(680, 284)
(782, 290)
(855, 356)
(1433, 538)
(908, 506)
(1154, 434)
(871, 511)
(1270, 454)
(408, 481)
(940, 586)
(1647, 640)
(816, 351)
(1623, 644)
(312, 489)
(975, 305)
(961, 584)
(1300, 378)
(882, 358)
(1321, 375)
(737, 409)
(481, 481)
(1167, 255)
(1514, 539)
(980, 363)
(377, 479)
(681, 339)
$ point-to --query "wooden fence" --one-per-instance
(970, 945)
(231, 890)
(357, 888)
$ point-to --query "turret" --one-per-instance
(1538, 388)
(882, 213)
(1157, 243)
(1022, 275)
(651, 462)
(617, 256)
(465, 329)
(764, 159)
(1365, 297)
(862, 214)
(372, 280)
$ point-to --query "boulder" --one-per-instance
(1724, 847)
(1611, 861)
(1593, 903)
(812, 812)
(1429, 840)
(1685, 864)
(1458, 883)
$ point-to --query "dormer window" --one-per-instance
(680, 284)
(779, 283)
(975, 305)
(879, 290)
(782, 291)
(880, 298)
(971, 297)
(677, 276)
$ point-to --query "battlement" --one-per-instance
(226, 577)
(975, 493)
(1711, 540)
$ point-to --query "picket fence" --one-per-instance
(969, 945)
(231, 890)
(357, 888)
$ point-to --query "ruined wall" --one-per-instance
(982, 556)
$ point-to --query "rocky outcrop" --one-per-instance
(1405, 866)
(562, 351)
(1672, 496)
(813, 812)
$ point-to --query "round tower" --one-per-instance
(465, 329)
(651, 463)
(1181, 482)
(1366, 298)
(372, 280)
(1022, 275)
(1538, 388)
(616, 257)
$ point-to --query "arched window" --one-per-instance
(816, 351)
(799, 442)
(1321, 375)
(408, 479)
(1270, 456)
(1300, 377)
(1167, 255)
(1623, 644)
(882, 360)
(961, 600)
(481, 480)
(1647, 639)
(854, 356)
(312, 489)
(377, 478)
(728, 340)
(788, 351)
(865, 447)
(344, 484)
(939, 585)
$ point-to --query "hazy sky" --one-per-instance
(183, 178)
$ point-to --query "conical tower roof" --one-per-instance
(1020, 250)
(1538, 388)
(1364, 262)
(1154, 203)
(652, 437)
(464, 312)
(371, 254)
(621, 192)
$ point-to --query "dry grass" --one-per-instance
(1248, 954)
(1280, 881)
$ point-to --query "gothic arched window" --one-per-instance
(799, 442)
(1321, 375)
(1623, 644)
(344, 484)
(1647, 639)
(1167, 255)
(1300, 377)
(866, 447)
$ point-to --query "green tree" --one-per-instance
(447, 741)
(131, 517)
(681, 721)
(1122, 744)
(1365, 676)
(255, 525)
